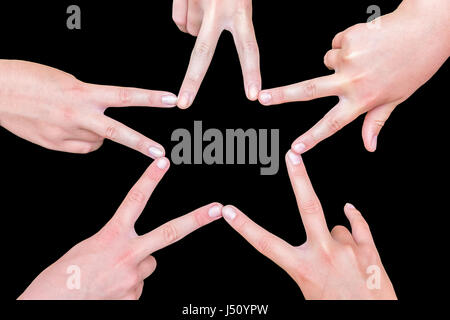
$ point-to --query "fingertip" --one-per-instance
(349, 209)
(163, 163)
(298, 147)
(215, 210)
(169, 100)
(156, 152)
(293, 158)
(369, 140)
(184, 100)
(349, 206)
(265, 98)
(253, 92)
(229, 213)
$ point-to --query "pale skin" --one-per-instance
(115, 262)
(329, 265)
(375, 69)
(53, 109)
(207, 19)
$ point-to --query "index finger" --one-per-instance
(337, 118)
(112, 96)
(200, 60)
(115, 131)
(274, 248)
(136, 200)
(303, 91)
(248, 51)
(177, 229)
(309, 205)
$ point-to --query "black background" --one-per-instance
(51, 200)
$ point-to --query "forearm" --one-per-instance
(435, 17)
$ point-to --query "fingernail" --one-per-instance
(215, 212)
(184, 101)
(349, 206)
(373, 144)
(169, 100)
(253, 92)
(299, 148)
(228, 213)
(162, 163)
(265, 97)
(155, 152)
(294, 158)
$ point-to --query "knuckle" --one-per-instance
(202, 49)
(311, 207)
(170, 233)
(193, 31)
(111, 132)
(264, 245)
(379, 123)
(124, 95)
(346, 38)
(126, 258)
(199, 219)
(137, 196)
(339, 230)
(310, 90)
(241, 224)
(77, 87)
(141, 144)
(250, 47)
(326, 255)
(327, 57)
(347, 252)
(132, 279)
(334, 124)
(178, 19)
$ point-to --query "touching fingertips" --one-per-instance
(162, 163)
(253, 92)
(169, 100)
(265, 98)
(228, 213)
(156, 152)
(184, 101)
(299, 147)
(215, 211)
(294, 158)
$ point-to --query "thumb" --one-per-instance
(373, 123)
